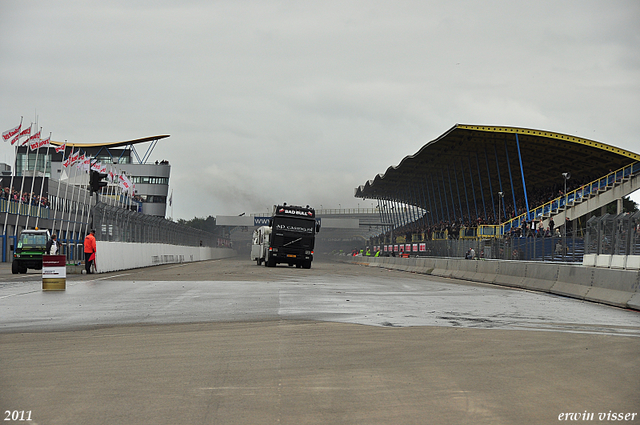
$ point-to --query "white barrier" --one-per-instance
(113, 256)
(605, 285)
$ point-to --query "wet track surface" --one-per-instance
(237, 290)
(228, 342)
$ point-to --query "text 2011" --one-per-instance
(17, 415)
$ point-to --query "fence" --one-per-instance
(613, 234)
(571, 248)
(121, 225)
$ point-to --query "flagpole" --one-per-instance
(33, 178)
(22, 183)
(84, 198)
(73, 189)
(46, 155)
(66, 189)
(15, 156)
(55, 211)
(86, 227)
(6, 217)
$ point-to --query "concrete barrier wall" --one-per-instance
(627, 262)
(113, 256)
(616, 287)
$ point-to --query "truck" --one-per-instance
(260, 244)
(30, 247)
(289, 237)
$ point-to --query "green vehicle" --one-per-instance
(30, 248)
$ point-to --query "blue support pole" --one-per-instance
(426, 206)
(443, 203)
(415, 202)
(380, 211)
(397, 213)
(431, 210)
(504, 210)
(446, 200)
(455, 174)
(387, 213)
(493, 204)
(409, 205)
(435, 209)
(466, 196)
(524, 186)
(403, 212)
(441, 212)
(453, 202)
(484, 206)
(513, 193)
(473, 190)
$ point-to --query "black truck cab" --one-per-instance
(293, 230)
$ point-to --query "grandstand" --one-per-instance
(478, 182)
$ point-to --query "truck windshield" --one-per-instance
(294, 225)
(33, 240)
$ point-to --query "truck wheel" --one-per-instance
(270, 262)
(258, 261)
(15, 267)
(306, 265)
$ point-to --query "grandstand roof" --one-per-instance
(124, 143)
(473, 163)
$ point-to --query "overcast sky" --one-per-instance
(300, 101)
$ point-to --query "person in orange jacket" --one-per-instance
(89, 250)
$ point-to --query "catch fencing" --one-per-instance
(612, 234)
(120, 225)
(568, 249)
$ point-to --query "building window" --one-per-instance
(150, 180)
(153, 199)
(27, 162)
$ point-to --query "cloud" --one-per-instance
(270, 101)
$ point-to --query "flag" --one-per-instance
(124, 183)
(40, 144)
(25, 132)
(33, 137)
(75, 157)
(69, 161)
(96, 166)
(61, 148)
(85, 164)
(12, 132)
(171, 198)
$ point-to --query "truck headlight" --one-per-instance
(307, 252)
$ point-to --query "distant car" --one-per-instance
(30, 248)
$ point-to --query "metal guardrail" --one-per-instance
(22, 209)
(568, 200)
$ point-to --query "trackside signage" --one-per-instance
(264, 221)
(54, 273)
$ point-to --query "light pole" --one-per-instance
(566, 177)
(500, 198)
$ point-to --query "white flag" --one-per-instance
(11, 132)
